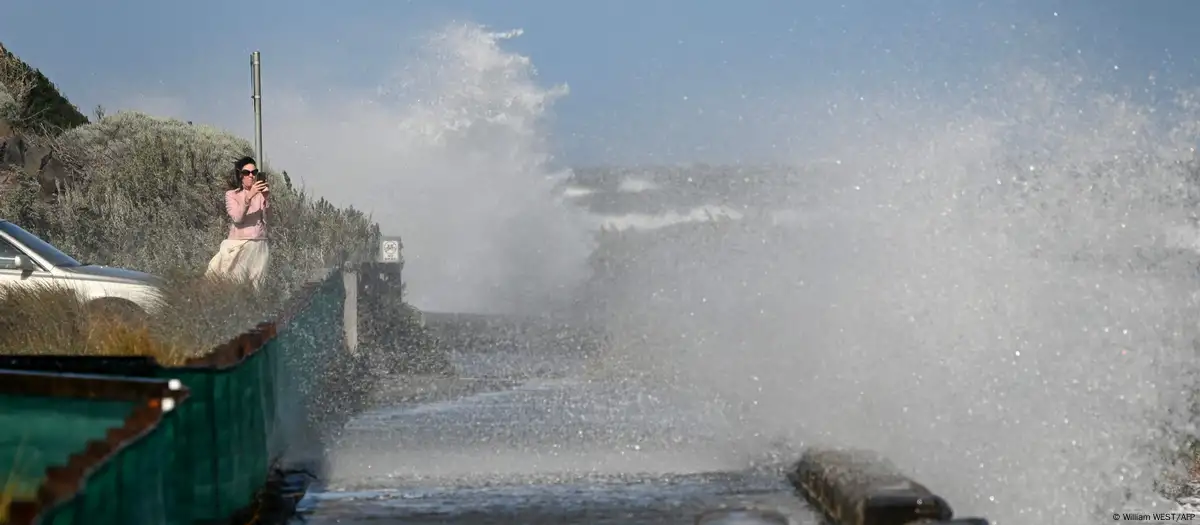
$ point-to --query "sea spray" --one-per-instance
(981, 291)
(450, 153)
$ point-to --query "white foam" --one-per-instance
(1183, 237)
(575, 192)
(643, 221)
(636, 185)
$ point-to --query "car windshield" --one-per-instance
(38, 246)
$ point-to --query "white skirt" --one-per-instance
(241, 259)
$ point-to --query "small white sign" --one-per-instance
(390, 251)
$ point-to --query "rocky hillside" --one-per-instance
(32, 111)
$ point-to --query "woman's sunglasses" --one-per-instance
(249, 172)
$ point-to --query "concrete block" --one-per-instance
(858, 487)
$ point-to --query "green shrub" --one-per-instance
(145, 192)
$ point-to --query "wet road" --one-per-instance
(561, 448)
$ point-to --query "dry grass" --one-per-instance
(201, 312)
(198, 314)
(42, 317)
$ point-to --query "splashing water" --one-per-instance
(451, 156)
(981, 293)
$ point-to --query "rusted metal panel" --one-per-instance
(150, 401)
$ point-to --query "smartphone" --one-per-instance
(261, 177)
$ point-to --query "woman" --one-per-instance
(244, 254)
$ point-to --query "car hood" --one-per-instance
(111, 274)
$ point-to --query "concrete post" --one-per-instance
(378, 293)
(350, 310)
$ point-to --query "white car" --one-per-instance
(26, 259)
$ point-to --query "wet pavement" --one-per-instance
(612, 500)
(559, 448)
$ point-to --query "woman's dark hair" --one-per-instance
(235, 178)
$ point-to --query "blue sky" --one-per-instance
(639, 72)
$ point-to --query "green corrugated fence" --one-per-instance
(307, 342)
(87, 449)
(252, 404)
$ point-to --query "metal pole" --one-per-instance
(256, 81)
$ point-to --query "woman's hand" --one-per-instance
(258, 187)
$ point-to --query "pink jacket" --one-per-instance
(248, 223)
